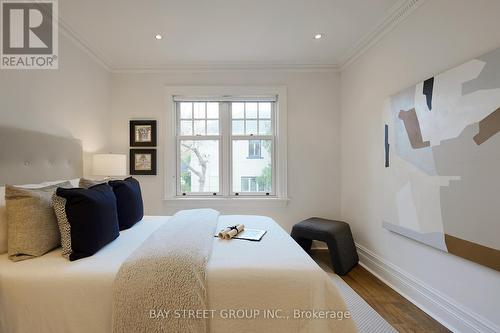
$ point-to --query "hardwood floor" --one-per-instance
(394, 308)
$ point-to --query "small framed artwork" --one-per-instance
(143, 133)
(143, 161)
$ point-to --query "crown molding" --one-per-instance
(228, 67)
(79, 41)
(397, 14)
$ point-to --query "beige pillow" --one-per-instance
(3, 222)
(31, 221)
(86, 183)
(3, 210)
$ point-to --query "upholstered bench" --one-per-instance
(336, 234)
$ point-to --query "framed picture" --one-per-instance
(143, 133)
(143, 161)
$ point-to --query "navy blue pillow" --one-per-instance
(128, 201)
(92, 217)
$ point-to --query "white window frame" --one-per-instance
(193, 137)
(227, 93)
(248, 137)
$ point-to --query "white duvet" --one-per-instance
(252, 286)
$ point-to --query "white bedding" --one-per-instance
(51, 294)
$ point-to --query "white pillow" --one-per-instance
(74, 182)
(3, 210)
(3, 221)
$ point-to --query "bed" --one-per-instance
(271, 285)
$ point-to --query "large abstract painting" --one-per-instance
(442, 159)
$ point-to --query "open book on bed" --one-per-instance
(250, 234)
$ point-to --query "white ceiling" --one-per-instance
(223, 32)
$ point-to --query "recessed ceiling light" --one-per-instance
(158, 36)
(318, 36)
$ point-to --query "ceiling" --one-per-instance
(121, 33)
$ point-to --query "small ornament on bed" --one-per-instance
(230, 232)
(239, 232)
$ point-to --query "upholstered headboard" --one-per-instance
(33, 157)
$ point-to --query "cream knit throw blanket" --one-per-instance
(167, 272)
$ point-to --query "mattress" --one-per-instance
(271, 285)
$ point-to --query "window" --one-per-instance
(254, 147)
(226, 143)
(249, 184)
(198, 147)
(239, 132)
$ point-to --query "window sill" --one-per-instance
(224, 202)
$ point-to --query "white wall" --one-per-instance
(437, 36)
(313, 129)
(70, 101)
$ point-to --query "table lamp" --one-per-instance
(109, 165)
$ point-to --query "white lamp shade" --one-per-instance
(109, 165)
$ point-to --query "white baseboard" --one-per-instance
(446, 311)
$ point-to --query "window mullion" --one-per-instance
(226, 148)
